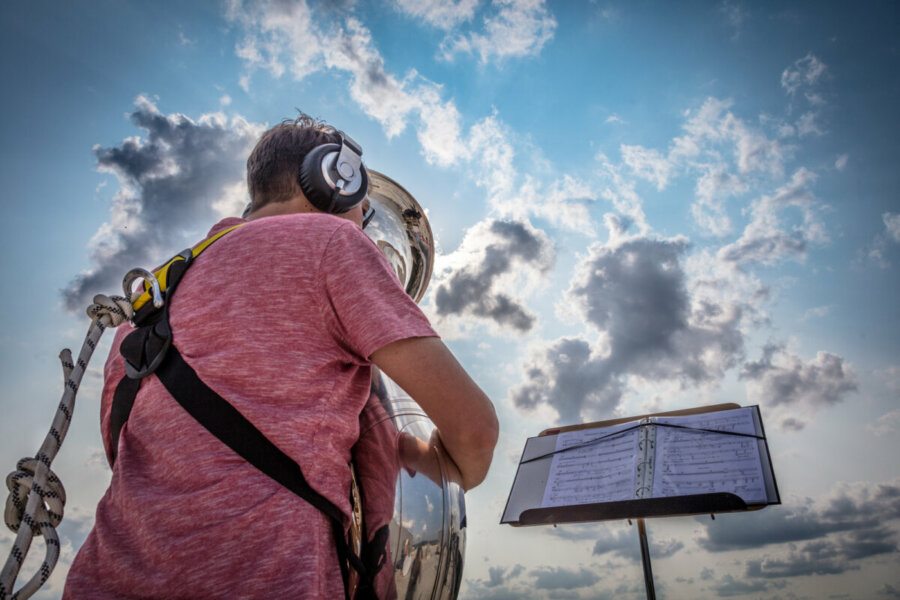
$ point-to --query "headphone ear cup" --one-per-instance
(360, 195)
(312, 180)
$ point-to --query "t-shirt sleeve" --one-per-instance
(367, 306)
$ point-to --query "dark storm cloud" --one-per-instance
(855, 507)
(495, 575)
(560, 578)
(500, 575)
(568, 377)
(168, 181)
(794, 387)
(503, 247)
(776, 525)
(499, 594)
(850, 524)
(625, 543)
(729, 586)
(576, 531)
(809, 560)
(636, 294)
(824, 380)
(506, 584)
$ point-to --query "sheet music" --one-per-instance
(599, 472)
(690, 462)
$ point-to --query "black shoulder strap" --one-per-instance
(227, 424)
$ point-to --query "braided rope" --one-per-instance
(37, 496)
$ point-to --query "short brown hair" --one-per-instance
(273, 168)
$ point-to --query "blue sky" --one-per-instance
(661, 206)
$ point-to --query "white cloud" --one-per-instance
(97, 460)
(892, 226)
(232, 201)
(377, 92)
(728, 156)
(281, 36)
(880, 245)
(804, 73)
(519, 28)
(816, 312)
(185, 40)
(443, 14)
(714, 124)
(488, 140)
(715, 186)
(712, 281)
(440, 132)
(275, 32)
(734, 15)
(841, 162)
(886, 424)
(786, 130)
(618, 190)
(647, 164)
(807, 125)
(563, 202)
(891, 377)
(764, 239)
(609, 12)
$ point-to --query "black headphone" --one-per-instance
(333, 177)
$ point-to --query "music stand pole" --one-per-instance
(645, 557)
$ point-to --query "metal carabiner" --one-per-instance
(134, 274)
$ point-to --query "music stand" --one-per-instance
(542, 492)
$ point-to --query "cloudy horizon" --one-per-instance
(636, 209)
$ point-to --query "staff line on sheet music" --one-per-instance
(638, 426)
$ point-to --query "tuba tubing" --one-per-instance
(400, 481)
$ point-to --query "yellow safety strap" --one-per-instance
(161, 273)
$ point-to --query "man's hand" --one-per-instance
(427, 370)
(421, 457)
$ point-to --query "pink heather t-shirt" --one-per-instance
(278, 317)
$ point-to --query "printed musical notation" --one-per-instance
(602, 471)
(658, 461)
(696, 462)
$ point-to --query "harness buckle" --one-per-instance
(145, 348)
(138, 273)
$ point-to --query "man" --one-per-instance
(283, 317)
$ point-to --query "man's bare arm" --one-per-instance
(427, 370)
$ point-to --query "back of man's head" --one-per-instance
(273, 168)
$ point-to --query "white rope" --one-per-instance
(37, 496)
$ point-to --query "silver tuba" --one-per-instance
(400, 483)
